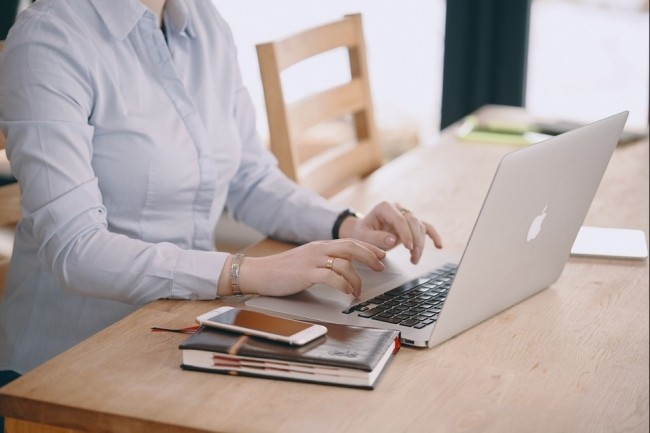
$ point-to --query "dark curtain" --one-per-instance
(8, 9)
(486, 48)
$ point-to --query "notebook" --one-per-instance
(520, 242)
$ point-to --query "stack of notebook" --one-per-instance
(346, 356)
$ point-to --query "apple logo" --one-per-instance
(536, 225)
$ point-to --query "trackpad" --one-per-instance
(320, 295)
(370, 281)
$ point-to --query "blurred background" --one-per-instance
(586, 59)
(431, 61)
(579, 60)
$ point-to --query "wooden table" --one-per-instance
(573, 358)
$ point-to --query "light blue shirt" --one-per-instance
(127, 146)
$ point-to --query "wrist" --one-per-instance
(344, 223)
(229, 283)
(235, 266)
(348, 227)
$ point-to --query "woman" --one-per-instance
(129, 131)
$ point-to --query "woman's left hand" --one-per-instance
(388, 225)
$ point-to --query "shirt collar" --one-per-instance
(120, 20)
(177, 18)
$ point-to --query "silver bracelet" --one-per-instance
(234, 273)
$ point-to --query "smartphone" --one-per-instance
(274, 328)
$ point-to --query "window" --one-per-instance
(588, 59)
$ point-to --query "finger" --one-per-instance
(396, 218)
(332, 279)
(380, 253)
(381, 238)
(418, 231)
(434, 235)
(345, 269)
(363, 252)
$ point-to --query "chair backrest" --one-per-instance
(9, 215)
(337, 166)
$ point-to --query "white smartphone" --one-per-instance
(274, 328)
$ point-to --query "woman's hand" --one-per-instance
(388, 225)
(325, 262)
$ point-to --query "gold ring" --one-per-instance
(330, 263)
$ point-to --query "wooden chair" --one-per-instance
(9, 215)
(327, 170)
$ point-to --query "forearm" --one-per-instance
(105, 265)
(278, 208)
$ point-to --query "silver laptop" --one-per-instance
(520, 243)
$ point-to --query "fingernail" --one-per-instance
(415, 256)
(390, 241)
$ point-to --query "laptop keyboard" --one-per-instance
(416, 303)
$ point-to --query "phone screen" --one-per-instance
(260, 322)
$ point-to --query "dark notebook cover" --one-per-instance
(351, 356)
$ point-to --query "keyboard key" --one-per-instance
(379, 299)
(410, 322)
(406, 287)
(372, 312)
(387, 319)
(416, 303)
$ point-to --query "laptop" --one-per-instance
(519, 245)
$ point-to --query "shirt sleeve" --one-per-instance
(261, 195)
(47, 99)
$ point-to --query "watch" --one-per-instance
(339, 220)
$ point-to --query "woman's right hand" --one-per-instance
(292, 271)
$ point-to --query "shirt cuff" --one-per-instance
(197, 273)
